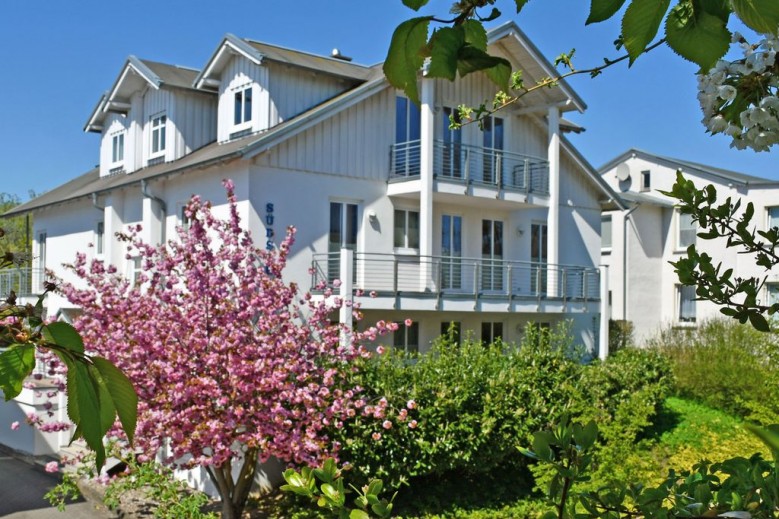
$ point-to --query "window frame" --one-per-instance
(646, 180)
(492, 332)
(117, 148)
(240, 99)
(401, 336)
(100, 237)
(408, 245)
(679, 245)
(158, 135)
(680, 293)
(606, 247)
(768, 211)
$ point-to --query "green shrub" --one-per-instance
(726, 365)
(473, 405)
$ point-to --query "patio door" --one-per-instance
(492, 255)
(538, 271)
(451, 252)
(343, 234)
(453, 146)
(493, 150)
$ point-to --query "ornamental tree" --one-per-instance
(232, 365)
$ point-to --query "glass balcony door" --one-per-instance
(493, 150)
(492, 255)
(451, 252)
(343, 234)
(452, 163)
(538, 258)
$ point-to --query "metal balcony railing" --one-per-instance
(24, 281)
(468, 164)
(438, 276)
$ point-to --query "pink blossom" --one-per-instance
(408, 322)
(411, 404)
(337, 283)
(14, 426)
(412, 424)
(52, 467)
(376, 436)
(380, 349)
(387, 424)
(374, 294)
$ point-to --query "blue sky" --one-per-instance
(58, 57)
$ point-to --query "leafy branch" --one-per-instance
(739, 297)
(98, 391)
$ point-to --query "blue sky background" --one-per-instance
(58, 57)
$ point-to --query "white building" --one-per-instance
(638, 243)
(489, 229)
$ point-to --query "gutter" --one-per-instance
(146, 194)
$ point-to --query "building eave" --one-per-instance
(230, 44)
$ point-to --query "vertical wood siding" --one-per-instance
(296, 90)
(356, 142)
(195, 120)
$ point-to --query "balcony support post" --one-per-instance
(426, 144)
(553, 219)
(346, 276)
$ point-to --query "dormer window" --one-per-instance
(243, 106)
(117, 148)
(158, 123)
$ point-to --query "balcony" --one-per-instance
(450, 283)
(23, 281)
(473, 165)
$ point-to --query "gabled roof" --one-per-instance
(257, 52)
(685, 165)
(534, 67)
(611, 196)
(137, 74)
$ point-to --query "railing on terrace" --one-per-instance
(438, 276)
(24, 281)
(473, 165)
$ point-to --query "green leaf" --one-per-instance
(471, 59)
(106, 407)
(699, 37)
(760, 15)
(769, 437)
(16, 363)
(359, 514)
(63, 334)
(445, 45)
(759, 322)
(82, 388)
(475, 34)
(406, 55)
(640, 24)
(520, 4)
(122, 394)
(601, 10)
(416, 5)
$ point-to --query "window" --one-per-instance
(686, 303)
(453, 149)
(406, 229)
(605, 231)
(451, 329)
(646, 181)
(772, 295)
(408, 125)
(406, 338)
(342, 235)
(493, 149)
(687, 231)
(491, 332)
(117, 148)
(42, 250)
(183, 218)
(134, 271)
(243, 106)
(158, 134)
(773, 217)
(100, 237)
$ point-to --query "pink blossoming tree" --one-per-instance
(231, 364)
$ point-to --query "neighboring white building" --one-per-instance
(638, 243)
(490, 228)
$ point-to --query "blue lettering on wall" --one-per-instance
(269, 232)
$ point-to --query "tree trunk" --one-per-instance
(234, 494)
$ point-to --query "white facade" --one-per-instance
(490, 229)
(644, 289)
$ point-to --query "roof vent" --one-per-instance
(337, 55)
